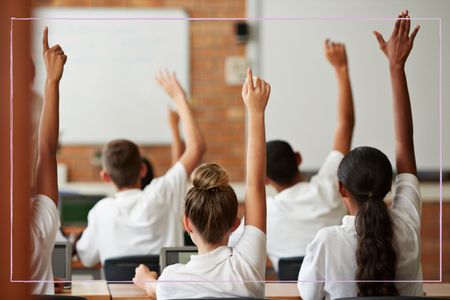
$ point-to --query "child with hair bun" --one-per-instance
(211, 216)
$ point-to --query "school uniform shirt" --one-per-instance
(331, 256)
(136, 222)
(44, 226)
(296, 214)
(222, 272)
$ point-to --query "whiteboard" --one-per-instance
(302, 108)
(108, 89)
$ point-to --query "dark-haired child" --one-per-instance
(376, 244)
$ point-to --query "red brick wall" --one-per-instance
(218, 107)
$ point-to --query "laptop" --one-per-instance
(175, 255)
(62, 261)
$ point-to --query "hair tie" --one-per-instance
(214, 188)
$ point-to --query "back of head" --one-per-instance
(281, 162)
(122, 161)
(149, 175)
(211, 204)
(366, 173)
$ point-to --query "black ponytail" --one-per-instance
(366, 173)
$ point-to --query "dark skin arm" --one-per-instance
(337, 56)
(46, 179)
(397, 50)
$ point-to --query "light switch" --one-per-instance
(236, 69)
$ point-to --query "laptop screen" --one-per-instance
(175, 255)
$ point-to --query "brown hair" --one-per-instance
(211, 204)
(122, 161)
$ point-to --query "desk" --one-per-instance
(92, 290)
(278, 290)
(439, 290)
(132, 292)
(127, 291)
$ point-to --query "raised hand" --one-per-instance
(255, 94)
(169, 82)
(54, 59)
(335, 53)
(399, 45)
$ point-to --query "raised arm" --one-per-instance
(195, 144)
(337, 56)
(397, 49)
(255, 97)
(177, 147)
(46, 179)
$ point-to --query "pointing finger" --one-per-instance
(45, 39)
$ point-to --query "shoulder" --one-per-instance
(407, 196)
(176, 175)
(43, 203)
(101, 206)
(171, 272)
(326, 238)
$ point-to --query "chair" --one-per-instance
(289, 267)
(57, 297)
(389, 298)
(123, 268)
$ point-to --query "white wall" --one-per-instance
(108, 89)
(302, 108)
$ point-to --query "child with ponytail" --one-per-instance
(210, 217)
(376, 245)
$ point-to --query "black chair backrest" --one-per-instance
(57, 297)
(289, 267)
(123, 268)
(389, 298)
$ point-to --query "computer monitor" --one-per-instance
(175, 255)
(74, 208)
(62, 260)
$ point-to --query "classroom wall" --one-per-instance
(218, 107)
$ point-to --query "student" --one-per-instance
(44, 212)
(375, 243)
(302, 207)
(135, 221)
(211, 216)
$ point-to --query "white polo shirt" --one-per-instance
(296, 214)
(331, 256)
(223, 272)
(44, 226)
(136, 222)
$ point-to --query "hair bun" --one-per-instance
(210, 175)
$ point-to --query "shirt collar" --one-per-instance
(127, 193)
(292, 189)
(213, 257)
(349, 221)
